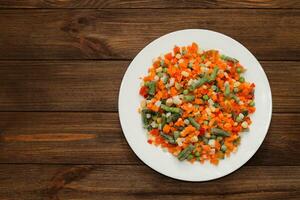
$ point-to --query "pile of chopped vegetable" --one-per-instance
(196, 103)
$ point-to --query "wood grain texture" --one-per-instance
(149, 4)
(60, 86)
(94, 85)
(114, 182)
(122, 33)
(96, 138)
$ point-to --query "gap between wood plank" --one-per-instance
(113, 59)
(169, 8)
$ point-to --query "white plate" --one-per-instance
(165, 163)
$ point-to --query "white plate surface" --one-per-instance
(165, 163)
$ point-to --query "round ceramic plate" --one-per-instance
(164, 162)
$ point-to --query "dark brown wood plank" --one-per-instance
(114, 182)
(150, 4)
(122, 33)
(94, 85)
(96, 138)
(56, 86)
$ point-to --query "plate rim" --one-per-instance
(269, 97)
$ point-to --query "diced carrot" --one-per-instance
(169, 56)
(176, 49)
(166, 128)
(173, 91)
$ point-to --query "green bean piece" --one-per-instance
(220, 132)
(239, 70)
(230, 59)
(214, 73)
(237, 141)
(173, 117)
(205, 97)
(165, 80)
(168, 138)
(160, 74)
(185, 92)
(227, 89)
(177, 86)
(238, 119)
(198, 83)
(235, 90)
(194, 123)
(144, 117)
(252, 103)
(245, 112)
(152, 87)
(235, 98)
(223, 148)
(203, 57)
(176, 135)
(216, 105)
(189, 97)
(213, 137)
(214, 88)
(185, 152)
(219, 138)
(170, 109)
(149, 127)
(163, 120)
(242, 79)
(197, 153)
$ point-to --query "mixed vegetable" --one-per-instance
(196, 103)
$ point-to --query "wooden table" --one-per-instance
(61, 64)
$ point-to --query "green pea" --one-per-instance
(185, 91)
(205, 97)
(214, 88)
(197, 153)
(239, 70)
(190, 157)
(252, 103)
(165, 69)
(213, 137)
(242, 79)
